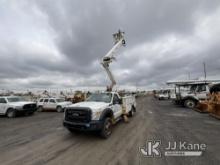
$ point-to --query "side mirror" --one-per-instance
(119, 101)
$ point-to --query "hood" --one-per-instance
(91, 105)
(65, 103)
(21, 103)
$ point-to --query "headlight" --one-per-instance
(64, 113)
(18, 107)
(96, 115)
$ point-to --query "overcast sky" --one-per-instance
(52, 44)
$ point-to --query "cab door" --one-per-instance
(202, 91)
(45, 104)
(52, 104)
(116, 106)
(3, 106)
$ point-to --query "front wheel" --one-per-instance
(11, 113)
(29, 113)
(40, 109)
(72, 130)
(189, 103)
(106, 128)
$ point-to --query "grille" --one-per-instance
(29, 106)
(79, 115)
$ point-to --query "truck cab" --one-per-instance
(98, 112)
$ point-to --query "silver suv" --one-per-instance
(52, 104)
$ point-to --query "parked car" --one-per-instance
(52, 104)
(13, 105)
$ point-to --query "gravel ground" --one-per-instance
(41, 139)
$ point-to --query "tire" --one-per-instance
(107, 128)
(11, 113)
(59, 109)
(40, 109)
(189, 103)
(29, 113)
(131, 113)
(72, 130)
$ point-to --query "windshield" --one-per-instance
(60, 100)
(15, 99)
(100, 97)
(193, 88)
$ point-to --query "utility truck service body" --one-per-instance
(99, 112)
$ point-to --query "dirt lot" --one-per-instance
(41, 138)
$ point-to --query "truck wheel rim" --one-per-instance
(59, 109)
(10, 114)
(108, 128)
(190, 104)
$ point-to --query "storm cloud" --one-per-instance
(46, 43)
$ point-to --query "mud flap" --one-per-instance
(125, 118)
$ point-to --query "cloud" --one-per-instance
(60, 43)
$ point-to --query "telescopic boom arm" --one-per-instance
(110, 56)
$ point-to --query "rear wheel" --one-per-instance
(59, 109)
(132, 111)
(189, 103)
(11, 113)
(107, 128)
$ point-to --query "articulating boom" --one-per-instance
(110, 56)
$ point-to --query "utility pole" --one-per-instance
(189, 75)
(136, 87)
(204, 66)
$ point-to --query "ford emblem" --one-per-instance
(75, 114)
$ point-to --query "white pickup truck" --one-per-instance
(99, 112)
(12, 105)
